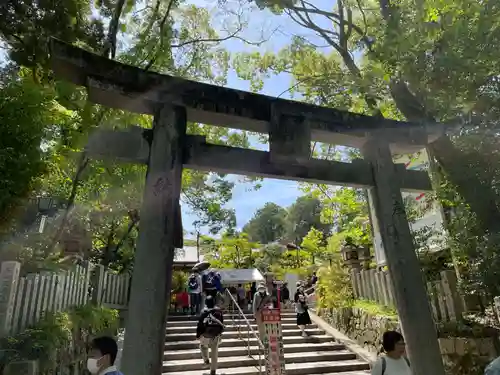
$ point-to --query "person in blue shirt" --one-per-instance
(101, 359)
(212, 283)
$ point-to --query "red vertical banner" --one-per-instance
(273, 342)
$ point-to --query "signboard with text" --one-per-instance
(273, 342)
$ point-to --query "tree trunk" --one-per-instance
(478, 194)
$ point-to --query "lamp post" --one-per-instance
(292, 246)
(47, 206)
(296, 246)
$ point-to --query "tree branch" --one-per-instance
(162, 26)
(82, 165)
(110, 45)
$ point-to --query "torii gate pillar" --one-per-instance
(158, 235)
(409, 290)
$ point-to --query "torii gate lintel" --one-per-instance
(291, 127)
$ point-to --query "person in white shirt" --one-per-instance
(394, 362)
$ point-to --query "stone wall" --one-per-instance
(461, 355)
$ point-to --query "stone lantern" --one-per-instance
(364, 257)
(350, 255)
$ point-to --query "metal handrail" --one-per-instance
(312, 289)
(240, 311)
(308, 298)
(249, 329)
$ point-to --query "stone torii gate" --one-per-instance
(166, 149)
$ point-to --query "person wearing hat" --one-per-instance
(260, 300)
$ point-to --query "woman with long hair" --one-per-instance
(301, 308)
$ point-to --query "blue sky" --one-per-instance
(246, 200)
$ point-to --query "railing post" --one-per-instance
(9, 280)
(98, 279)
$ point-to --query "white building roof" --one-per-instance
(240, 276)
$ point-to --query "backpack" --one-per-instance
(193, 282)
(210, 280)
(384, 364)
(213, 323)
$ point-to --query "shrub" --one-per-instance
(60, 339)
(334, 288)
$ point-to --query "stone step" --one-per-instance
(344, 367)
(244, 361)
(244, 334)
(226, 342)
(187, 321)
(176, 318)
(240, 351)
(230, 327)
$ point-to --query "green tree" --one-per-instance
(269, 257)
(314, 244)
(419, 62)
(303, 215)
(267, 225)
(408, 51)
(346, 209)
(100, 195)
(26, 110)
(232, 252)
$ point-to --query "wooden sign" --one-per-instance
(273, 342)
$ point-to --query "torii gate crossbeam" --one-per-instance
(291, 126)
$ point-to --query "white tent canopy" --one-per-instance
(240, 276)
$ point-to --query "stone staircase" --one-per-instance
(316, 354)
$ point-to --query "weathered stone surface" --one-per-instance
(131, 145)
(461, 355)
(22, 368)
(121, 86)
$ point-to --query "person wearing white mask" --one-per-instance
(101, 359)
(261, 300)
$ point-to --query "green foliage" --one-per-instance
(26, 111)
(27, 27)
(101, 195)
(374, 308)
(179, 281)
(270, 257)
(207, 198)
(404, 56)
(303, 215)
(348, 209)
(267, 225)
(313, 244)
(232, 251)
(272, 223)
(334, 288)
(476, 256)
(61, 339)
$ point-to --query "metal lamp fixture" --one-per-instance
(47, 206)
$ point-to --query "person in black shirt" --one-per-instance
(209, 331)
(301, 308)
(285, 295)
(314, 279)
